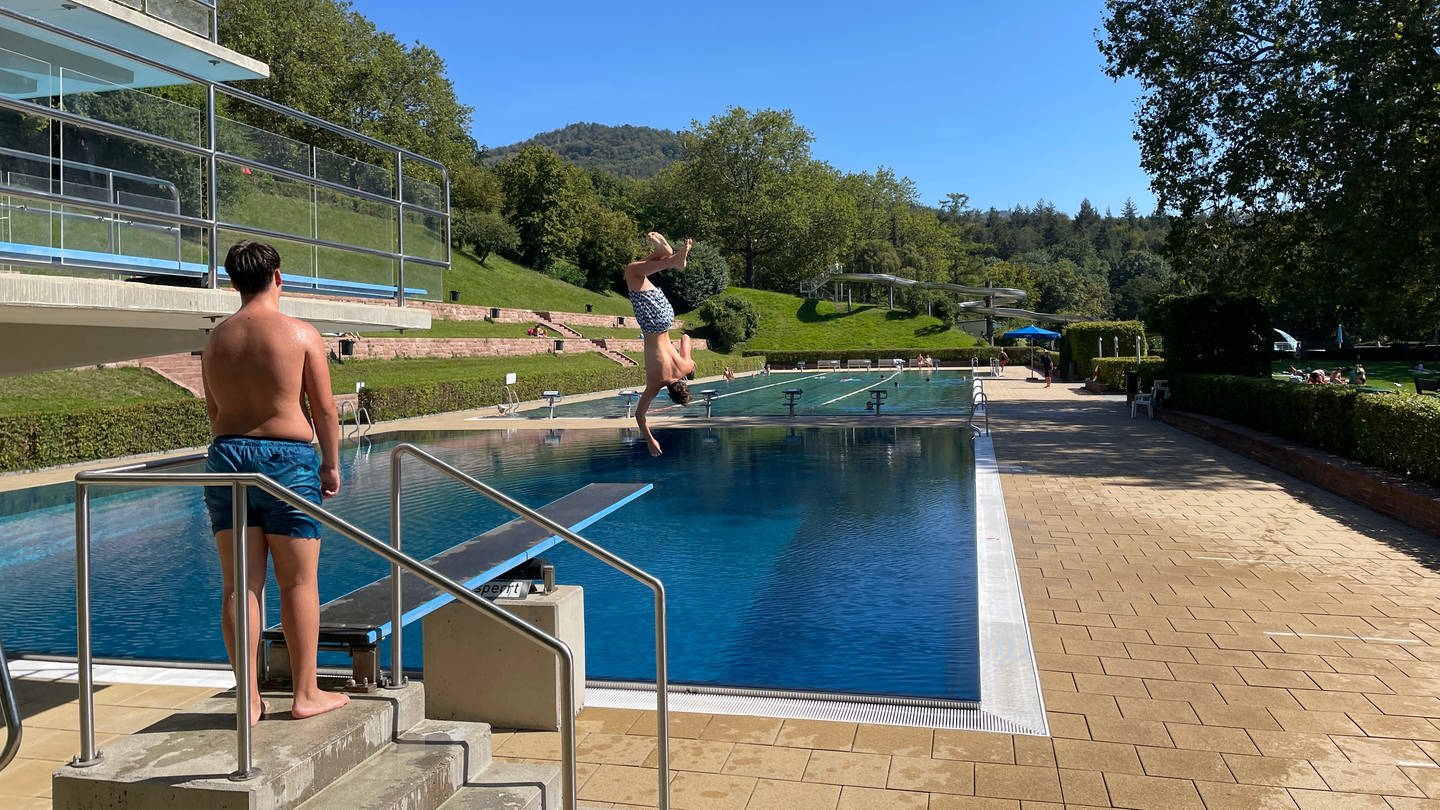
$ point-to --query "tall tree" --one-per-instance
(543, 199)
(741, 165)
(1294, 128)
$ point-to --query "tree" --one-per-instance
(542, 200)
(484, 232)
(733, 320)
(705, 275)
(605, 245)
(741, 167)
(1294, 128)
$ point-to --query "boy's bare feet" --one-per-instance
(319, 702)
(685, 252)
(662, 245)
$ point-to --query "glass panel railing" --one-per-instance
(133, 109)
(425, 236)
(192, 15)
(353, 173)
(363, 272)
(424, 281)
(261, 146)
(90, 158)
(255, 198)
(350, 220)
(420, 187)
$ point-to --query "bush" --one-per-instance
(30, 441)
(732, 319)
(705, 276)
(1215, 334)
(1112, 370)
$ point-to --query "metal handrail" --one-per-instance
(356, 412)
(10, 709)
(662, 682)
(142, 475)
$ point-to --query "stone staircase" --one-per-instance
(377, 752)
(182, 369)
(618, 357)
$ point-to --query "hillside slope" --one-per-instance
(625, 151)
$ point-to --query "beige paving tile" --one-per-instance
(922, 774)
(623, 784)
(1088, 755)
(1367, 777)
(683, 725)
(1230, 796)
(1327, 800)
(1146, 792)
(1295, 744)
(943, 801)
(770, 794)
(1134, 732)
(708, 756)
(848, 768)
(1034, 751)
(1182, 764)
(26, 777)
(817, 734)
(534, 745)
(1273, 771)
(608, 721)
(710, 791)
(861, 798)
(729, 728)
(894, 740)
(1379, 749)
(767, 761)
(1211, 738)
(614, 749)
(975, 746)
(1083, 788)
(1024, 782)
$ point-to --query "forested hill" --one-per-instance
(626, 151)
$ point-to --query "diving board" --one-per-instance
(361, 619)
(150, 265)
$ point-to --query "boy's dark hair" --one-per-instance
(251, 266)
(679, 392)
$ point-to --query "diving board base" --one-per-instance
(478, 670)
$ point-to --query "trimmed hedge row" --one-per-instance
(1112, 370)
(1394, 432)
(951, 357)
(32, 441)
(423, 399)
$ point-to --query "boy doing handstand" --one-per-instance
(664, 366)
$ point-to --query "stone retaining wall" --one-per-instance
(409, 348)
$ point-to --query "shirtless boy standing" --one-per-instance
(664, 366)
(257, 365)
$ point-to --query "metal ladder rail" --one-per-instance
(362, 423)
(143, 475)
(11, 710)
(662, 682)
(979, 402)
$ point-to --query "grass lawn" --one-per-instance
(51, 391)
(502, 283)
(792, 323)
(1388, 374)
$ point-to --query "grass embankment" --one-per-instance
(502, 283)
(792, 323)
(60, 391)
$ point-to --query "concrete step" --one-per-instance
(419, 771)
(185, 760)
(510, 786)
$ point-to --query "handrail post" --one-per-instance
(11, 711)
(83, 659)
(244, 768)
(397, 676)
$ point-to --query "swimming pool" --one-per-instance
(833, 560)
(824, 393)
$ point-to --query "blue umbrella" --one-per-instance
(1030, 332)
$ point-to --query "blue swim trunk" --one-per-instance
(290, 463)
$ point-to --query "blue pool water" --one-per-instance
(823, 393)
(793, 558)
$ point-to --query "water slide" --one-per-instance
(992, 303)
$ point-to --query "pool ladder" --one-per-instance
(11, 711)
(978, 407)
(145, 475)
(362, 423)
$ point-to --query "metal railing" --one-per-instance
(10, 709)
(146, 475)
(979, 403)
(662, 683)
(362, 423)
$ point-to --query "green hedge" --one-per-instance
(32, 441)
(1084, 339)
(423, 399)
(1399, 433)
(951, 357)
(1394, 432)
(1112, 370)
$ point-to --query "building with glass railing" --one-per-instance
(128, 166)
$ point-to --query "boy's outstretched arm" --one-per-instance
(640, 408)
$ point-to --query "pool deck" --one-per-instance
(1211, 633)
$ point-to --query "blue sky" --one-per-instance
(1003, 101)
